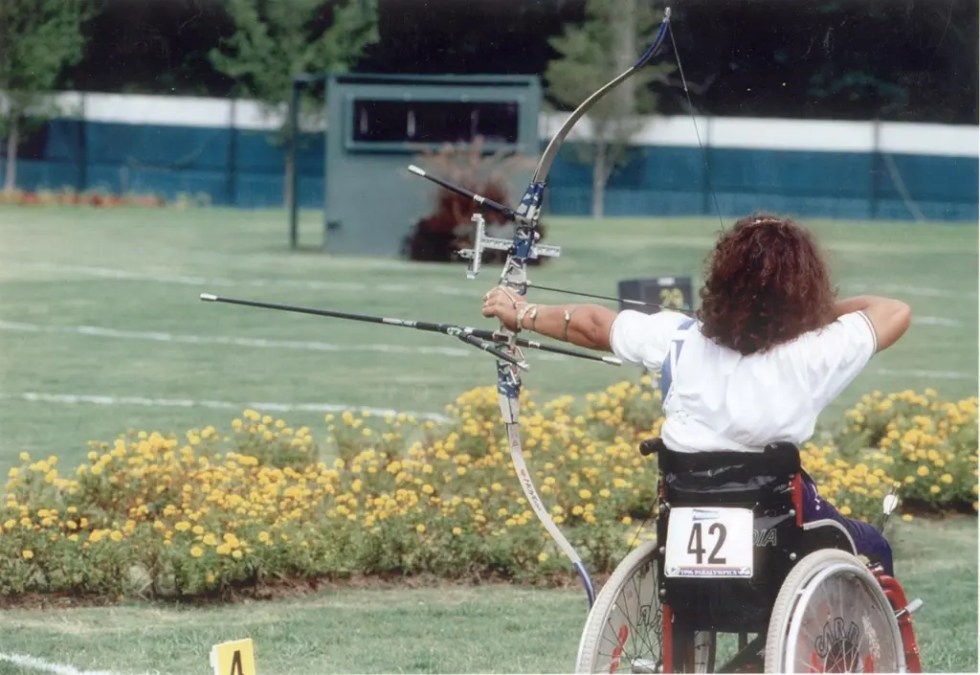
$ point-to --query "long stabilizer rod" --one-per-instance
(469, 194)
(480, 338)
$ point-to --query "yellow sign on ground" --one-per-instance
(233, 658)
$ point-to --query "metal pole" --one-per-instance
(293, 186)
(83, 148)
(875, 163)
(232, 176)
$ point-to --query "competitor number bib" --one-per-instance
(709, 542)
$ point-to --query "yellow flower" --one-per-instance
(458, 530)
(542, 556)
(922, 471)
(116, 535)
(420, 528)
(907, 517)
(27, 553)
(236, 554)
(182, 526)
(584, 494)
(934, 489)
(196, 551)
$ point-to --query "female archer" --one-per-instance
(770, 349)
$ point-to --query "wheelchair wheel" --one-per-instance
(832, 616)
(624, 629)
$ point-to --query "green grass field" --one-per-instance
(101, 328)
(448, 629)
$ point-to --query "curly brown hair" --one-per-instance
(766, 282)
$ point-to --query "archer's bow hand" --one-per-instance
(503, 303)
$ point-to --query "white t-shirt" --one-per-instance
(721, 400)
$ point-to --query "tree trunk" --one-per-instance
(13, 140)
(599, 177)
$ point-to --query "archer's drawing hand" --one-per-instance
(503, 303)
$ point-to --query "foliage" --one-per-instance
(154, 515)
(449, 227)
(70, 197)
(918, 440)
(275, 41)
(38, 40)
(605, 44)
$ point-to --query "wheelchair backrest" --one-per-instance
(703, 483)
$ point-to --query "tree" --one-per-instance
(38, 40)
(275, 40)
(604, 44)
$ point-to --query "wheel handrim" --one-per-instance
(845, 626)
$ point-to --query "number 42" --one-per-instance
(697, 549)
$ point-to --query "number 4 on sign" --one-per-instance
(233, 658)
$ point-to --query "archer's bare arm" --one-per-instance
(890, 318)
(586, 326)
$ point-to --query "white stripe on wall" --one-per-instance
(717, 132)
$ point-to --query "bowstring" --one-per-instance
(691, 110)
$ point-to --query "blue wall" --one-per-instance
(244, 168)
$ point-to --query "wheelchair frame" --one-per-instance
(690, 612)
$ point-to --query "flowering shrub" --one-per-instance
(69, 197)
(926, 444)
(157, 515)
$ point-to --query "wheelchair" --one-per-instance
(738, 559)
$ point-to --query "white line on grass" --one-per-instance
(223, 282)
(904, 289)
(34, 663)
(938, 374)
(935, 321)
(262, 406)
(308, 345)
